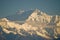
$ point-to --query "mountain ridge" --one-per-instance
(38, 23)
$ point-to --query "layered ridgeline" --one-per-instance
(38, 25)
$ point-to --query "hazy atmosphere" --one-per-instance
(29, 19)
(9, 7)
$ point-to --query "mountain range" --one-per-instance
(37, 25)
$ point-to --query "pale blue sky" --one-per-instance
(8, 7)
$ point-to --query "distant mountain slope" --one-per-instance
(20, 16)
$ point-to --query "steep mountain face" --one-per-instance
(38, 25)
(37, 15)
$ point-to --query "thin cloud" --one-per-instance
(20, 11)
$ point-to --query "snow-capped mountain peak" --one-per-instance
(35, 12)
(38, 15)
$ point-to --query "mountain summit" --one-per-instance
(38, 15)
